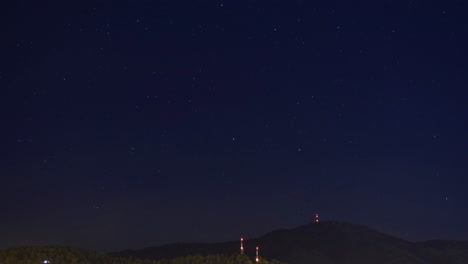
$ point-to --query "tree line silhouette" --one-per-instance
(70, 255)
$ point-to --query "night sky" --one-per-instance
(136, 123)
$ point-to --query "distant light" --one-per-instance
(46, 261)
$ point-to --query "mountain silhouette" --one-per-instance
(323, 243)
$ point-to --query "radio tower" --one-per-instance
(242, 246)
(257, 260)
(316, 218)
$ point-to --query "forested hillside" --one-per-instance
(68, 255)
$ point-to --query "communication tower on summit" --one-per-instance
(316, 218)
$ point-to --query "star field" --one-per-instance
(132, 124)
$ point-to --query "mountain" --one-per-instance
(324, 243)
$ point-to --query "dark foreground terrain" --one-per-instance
(68, 255)
(318, 243)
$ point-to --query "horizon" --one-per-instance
(245, 239)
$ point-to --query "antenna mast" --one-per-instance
(257, 260)
(242, 246)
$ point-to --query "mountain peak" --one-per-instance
(324, 242)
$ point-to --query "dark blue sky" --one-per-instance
(131, 124)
